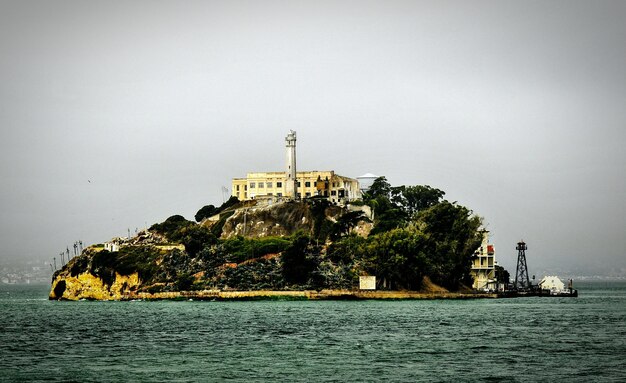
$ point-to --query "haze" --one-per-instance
(116, 115)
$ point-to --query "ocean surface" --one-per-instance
(509, 340)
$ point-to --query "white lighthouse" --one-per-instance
(291, 184)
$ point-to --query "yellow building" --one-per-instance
(484, 265)
(336, 188)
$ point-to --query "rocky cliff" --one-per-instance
(161, 260)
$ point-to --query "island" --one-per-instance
(408, 242)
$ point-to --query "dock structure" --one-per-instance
(522, 287)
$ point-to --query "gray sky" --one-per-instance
(515, 109)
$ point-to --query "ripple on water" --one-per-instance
(486, 340)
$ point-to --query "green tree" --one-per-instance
(502, 275)
(195, 238)
(321, 225)
(388, 214)
(205, 212)
(416, 198)
(397, 258)
(453, 237)
(347, 222)
(380, 188)
(299, 260)
(171, 226)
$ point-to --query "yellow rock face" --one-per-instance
(88, 286)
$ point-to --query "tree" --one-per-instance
(380, 188)
(453, 236)
(502, 275)
(397, 257)
(387, 214)
(299, 260)
(210, 210)
(347, 222)
(205, 212)
(318, 206)
(196, 238)
(419, 197)
(171, 226)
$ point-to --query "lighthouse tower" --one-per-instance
(291, 184)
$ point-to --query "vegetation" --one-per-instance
(129, 260)
(210, 210)
(415, 233)
(502, 275)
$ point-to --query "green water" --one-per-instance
(511, 340)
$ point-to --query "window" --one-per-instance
(270, 194)
(299, 195)
(252, 185)
(279, 184)
(268, 184)
(279, 194)
(261, 185)
(245, 187)
(307, 194)
(307, 184)
(237, 187)
(298, 183)
(333, 192)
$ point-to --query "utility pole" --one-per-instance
(245, 211)
(55, 262)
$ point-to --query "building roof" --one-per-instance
(368, 175)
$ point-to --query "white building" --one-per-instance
(552, 283)
(484, 265)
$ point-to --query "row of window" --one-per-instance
(263, 185)
(269, 185)
(307, 194)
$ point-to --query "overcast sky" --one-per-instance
(116, 115)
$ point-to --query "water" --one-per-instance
(527, 339)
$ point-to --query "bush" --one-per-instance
(129, 260)
(195, 238)
(240, 249)
(184, 282)
(171, 226)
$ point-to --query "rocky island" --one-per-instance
(415, 243)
